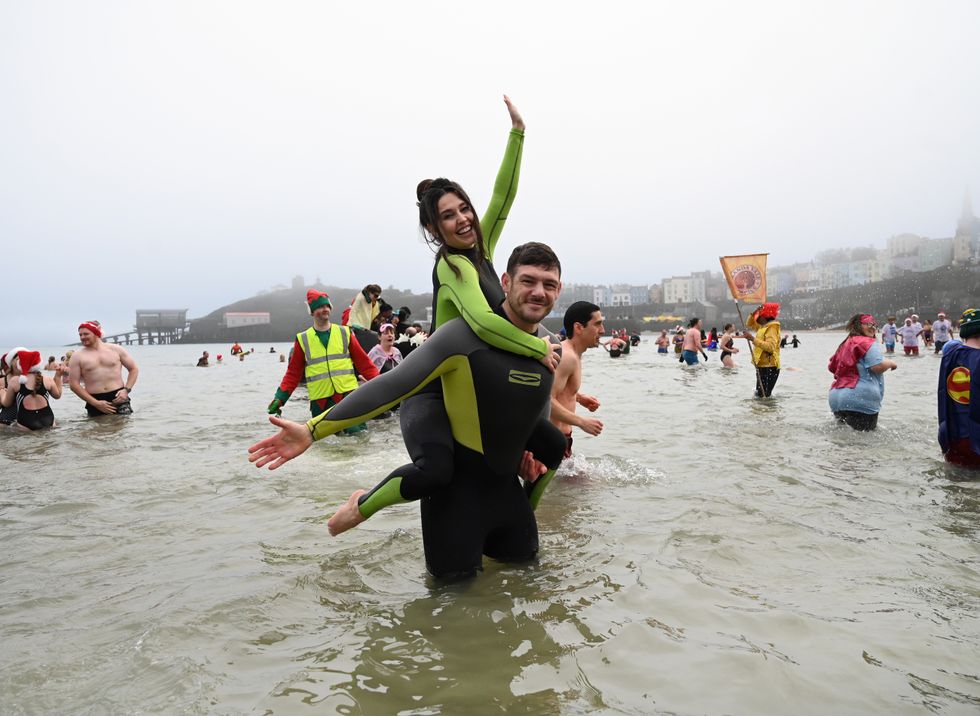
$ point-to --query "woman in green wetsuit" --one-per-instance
(497, 405)
(465, 285)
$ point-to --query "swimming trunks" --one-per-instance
(123, 408)
(690, 357)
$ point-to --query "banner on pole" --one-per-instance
(746, 276)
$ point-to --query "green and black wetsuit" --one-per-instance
(471, 292)
(497, 405)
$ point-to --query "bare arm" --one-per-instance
(132, 369)
(54, 386)
(886, 364)
(559, 412)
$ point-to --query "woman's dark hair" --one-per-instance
(428, 193)
(727, 326)
(693, 322)
(853, 328)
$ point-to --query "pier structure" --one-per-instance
(159, 326)
(153, 327)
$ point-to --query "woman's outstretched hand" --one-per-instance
(292, 440)
(516, 121)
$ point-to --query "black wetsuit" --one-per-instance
(496, 406)
(33, 419)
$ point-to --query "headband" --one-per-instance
(868, 319)
(92, 326)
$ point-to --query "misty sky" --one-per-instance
(188, 154)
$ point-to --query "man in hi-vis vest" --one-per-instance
(327, 355)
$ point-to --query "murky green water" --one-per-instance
(709, 553)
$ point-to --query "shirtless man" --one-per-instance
(583, 326)
(100, 366)
(692, 343)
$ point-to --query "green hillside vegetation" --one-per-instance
(289, 315)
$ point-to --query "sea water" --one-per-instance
(709, 553)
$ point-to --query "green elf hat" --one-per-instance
(970, 323)
(315, 299)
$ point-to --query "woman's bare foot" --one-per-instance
(346, 517)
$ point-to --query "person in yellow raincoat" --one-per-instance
(765, 347)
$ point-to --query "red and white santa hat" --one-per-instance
(7, 358)
(30, 362)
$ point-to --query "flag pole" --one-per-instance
(758, 375)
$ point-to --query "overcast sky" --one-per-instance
(188, 154)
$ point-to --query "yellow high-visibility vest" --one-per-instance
(328, 370)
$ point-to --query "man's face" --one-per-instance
(86, 337)
(591, 331)
(531, 292)
(322, 313)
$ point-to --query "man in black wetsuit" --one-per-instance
(498, 405)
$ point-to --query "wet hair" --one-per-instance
(693, 322)
(578, 312)
(727, 326)
(853, 328)
(428, 193)
(533, 253)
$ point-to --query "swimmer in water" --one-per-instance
(95, 373)
(497, 405)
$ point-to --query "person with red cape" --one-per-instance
(858, 366)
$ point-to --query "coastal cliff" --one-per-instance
(288, 314)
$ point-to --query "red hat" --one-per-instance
(315, 299)
(7, 358)
(30, 362)
(93, 326)
(768, 310)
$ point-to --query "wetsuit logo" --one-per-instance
(522, 378)
(958, 385)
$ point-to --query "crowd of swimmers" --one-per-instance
(488, 398)
(94, 372)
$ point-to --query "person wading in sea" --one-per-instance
(99, 365)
